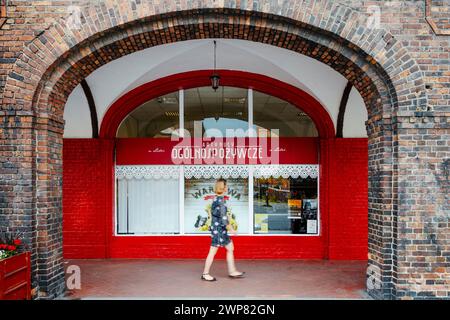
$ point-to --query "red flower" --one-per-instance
(11, 248)
(17, 242)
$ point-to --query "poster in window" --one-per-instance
(295, 208)
(310, 214)
(261, 223)
(198, 197)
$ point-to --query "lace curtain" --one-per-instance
(149, 205)
(217, 171)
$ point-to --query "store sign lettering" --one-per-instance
(157, 150)
(236, 151)
(213, 153)
(228, 151)
(208, 191)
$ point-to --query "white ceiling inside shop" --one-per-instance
(111, 81)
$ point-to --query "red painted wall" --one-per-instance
(88, 211)
(197, 247)
(87, 180)
(348, 210)
(137, 151)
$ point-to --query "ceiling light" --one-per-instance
(215, 78)
(167, 100)
(234, 100)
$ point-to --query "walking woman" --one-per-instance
(219, 227)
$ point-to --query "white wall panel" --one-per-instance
(77, 116)
(355, 116)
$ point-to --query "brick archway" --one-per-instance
(56, 61)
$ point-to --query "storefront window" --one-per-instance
(147, 200)
(285, 205)
(157, 118)
(163, 188)
(273, 113)
(199, 194)
(215, 112)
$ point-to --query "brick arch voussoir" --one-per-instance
(383, 50)
(78, 71)
(59, 41)
(75, 74)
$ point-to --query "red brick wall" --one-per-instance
(197, 247)
(88, 210)
(87, 179)
(348, 221)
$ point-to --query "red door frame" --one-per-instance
(297, 97)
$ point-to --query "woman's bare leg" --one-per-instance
(209, 261)
(230, 260)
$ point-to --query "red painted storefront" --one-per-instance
(89, 195)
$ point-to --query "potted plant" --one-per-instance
(15, 268)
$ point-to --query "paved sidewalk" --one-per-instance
(265, 279)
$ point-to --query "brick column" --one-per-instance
(17, 194)
(409, 206)
(49, 142)
(31, 193)
(382, 223)
(423, 228)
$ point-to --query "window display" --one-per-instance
(148, 198)
(199, 195)
(310, 215)
(285, 205)
(166, 177)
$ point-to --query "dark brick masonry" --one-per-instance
(401, 70)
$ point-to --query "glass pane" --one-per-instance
(272, 113)
(285, 206)
(213, 112)
(199, 194)
(148, 206)
(122, 205)
(157, 118)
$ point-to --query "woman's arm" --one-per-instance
(231, 229)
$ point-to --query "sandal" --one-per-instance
(205, 274)
(237, 276)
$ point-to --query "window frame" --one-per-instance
(181, 180)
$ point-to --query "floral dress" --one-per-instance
(219, 222)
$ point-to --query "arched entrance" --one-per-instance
(299, 152)
(364, 57)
